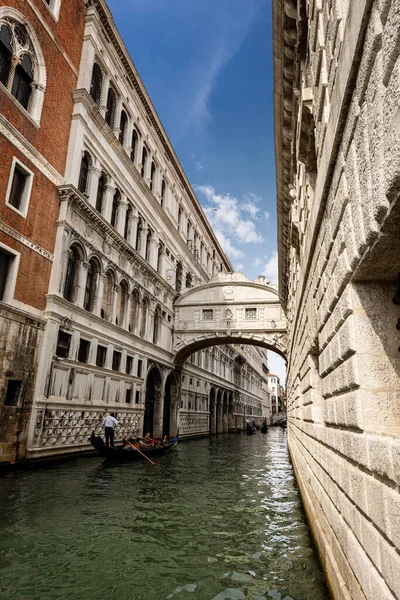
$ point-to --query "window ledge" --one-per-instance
(53, 14)
(19, 106)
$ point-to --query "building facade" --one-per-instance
(113, 235)
(38, 50)
(337, 124)
(274, 389)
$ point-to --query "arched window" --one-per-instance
(115, 204)
(108, 296)
(134, 145)
(111, 107)
(139, 232)
(122, 126)
(22, 68)
(84, 173)
(134, 311)
(148, 244)
(101, 188)
(152, 175)
(144, 161)
(178, 280)
(71, 274)
(96, 83)
(128, 219)
(157, 325)
(90, 287)
(162, 197)
(189, 280)
(143, 322)
(121, 306)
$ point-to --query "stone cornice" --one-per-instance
(119, 46)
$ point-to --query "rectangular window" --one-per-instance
(101, 356)
(128, 395)
(129, 364)
(63, 344)
(137, 397)
(13, 392)
(5, 261)
(116, 361)
(83, 352)
(208, 314)
(139, 368)
(19, 187)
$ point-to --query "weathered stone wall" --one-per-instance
(341, 211)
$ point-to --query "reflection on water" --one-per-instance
(215, 519)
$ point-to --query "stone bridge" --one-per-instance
(230, 309)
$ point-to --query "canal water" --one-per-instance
(216, 519)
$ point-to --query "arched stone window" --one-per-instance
(71, 274)
(178, 280)
(148, 244)
(96, 83)
(84, 173)
(22, 68)
(111, 107)
(139, 233)
(133, 317)
(121, 306)
(115, 204)
(128, 219)
(162, 196)
(90, 287)
(152, 175)
(122, 126)
(143, 321)
(101, 188)
(134, 145)
(108, 296)
(157, 325)
(145, 156)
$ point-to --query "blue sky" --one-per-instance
(207, 66)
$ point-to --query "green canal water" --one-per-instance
(216, 519)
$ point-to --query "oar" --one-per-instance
(137, 450)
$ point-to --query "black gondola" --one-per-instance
(129, 453)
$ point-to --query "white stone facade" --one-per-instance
(131, 236)
(337, 107)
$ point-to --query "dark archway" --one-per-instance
(219, 415)
(213, 412)
(231, 417)
(153, 390)
(170, 409)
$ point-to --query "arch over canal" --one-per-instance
(230, 309)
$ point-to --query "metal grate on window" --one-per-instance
(208, 314)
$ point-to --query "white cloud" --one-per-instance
(257, 261)
(227, 246)
(271, 268)
(239, 267)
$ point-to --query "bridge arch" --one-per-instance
(230, 309)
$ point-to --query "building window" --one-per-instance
(111, 107)
(84, 173)
(19, 187)
(139, 235)
(152, 175)
(101, 356)
(208, 314)
(116, 360)
(189, 280)
(122, 127)
(139, 368)
(96, 83)
(108, 295)
(54, 6)
(134, 311)
(101, 188)
(69, 285)
(13, 392)
(63, 344)
(134, 145)
(178, 281)
(148, 244)
(179, 219)
(137, 397)
(128, 395)
(22, 68)
(115, 204)
(90, 288)
(161, 250)
(9, 260)
(128, 219)
(143, 323)
(250, 314)
(162, 198)
(129, 365)
(121, 303)
(157, 325)
(83, 351)
(144, 161)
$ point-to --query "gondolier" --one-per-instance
(110, 424)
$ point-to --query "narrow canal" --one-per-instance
(216, 519)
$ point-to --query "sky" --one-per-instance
(207, 66)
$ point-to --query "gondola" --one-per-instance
(129, 453)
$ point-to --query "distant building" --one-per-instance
(274, 388)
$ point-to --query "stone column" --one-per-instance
(104, 93)
(133, 228)
(114, 304)
(213, 414)
(121, 215)
(128, 305)
(94, 176)
(80, 290)
(150, 325)
(220, 424)
(108, 201)
(143, 241)
(99, 294)
(117, 117)
(154, 251)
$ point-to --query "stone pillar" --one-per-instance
(225, 424)
(125, 321)
(158, 409)
(133, 228)
(80, 289)
(143, 241)
(213, 419)
(121, 215)
(118, 110)
(94, 176)
(99, 294)
(108, 201)
(114, 304)
(153, 251)
(104, 93)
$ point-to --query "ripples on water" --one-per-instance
(215, 519)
